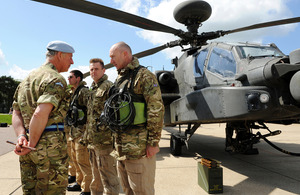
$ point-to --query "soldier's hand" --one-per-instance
(19, 150)
(151, 151)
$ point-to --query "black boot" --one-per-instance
(74, 188)
(85, 193)
(71, 179)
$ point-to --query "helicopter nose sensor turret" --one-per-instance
(192, 13)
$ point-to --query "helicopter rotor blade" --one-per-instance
(86, 74)
(144, 53)
(150, 51)
(106, 66)
(265, 24)
(203, 37)
(112, 14)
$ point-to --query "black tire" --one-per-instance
(175, 145)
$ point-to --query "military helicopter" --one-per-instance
(243, 85)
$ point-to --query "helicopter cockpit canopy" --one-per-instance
(259, 51)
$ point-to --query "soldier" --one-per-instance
(99, 137)
(40, 106)
(76, 119)
(136, 139)
(71, 168)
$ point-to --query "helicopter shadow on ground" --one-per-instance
(269, 170)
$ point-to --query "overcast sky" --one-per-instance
(28, 26)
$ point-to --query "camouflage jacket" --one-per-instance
(132, 144)
(75, 132)
(101, 136)
(44, 85)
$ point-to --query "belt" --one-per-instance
(53, 127)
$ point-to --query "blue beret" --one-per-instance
(60, 46)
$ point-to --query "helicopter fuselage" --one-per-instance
(220, 82)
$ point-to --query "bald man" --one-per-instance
(137, 145)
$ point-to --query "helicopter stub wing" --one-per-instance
(223, 104)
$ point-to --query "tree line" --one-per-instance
(7, 89)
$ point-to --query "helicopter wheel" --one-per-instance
(175, 145)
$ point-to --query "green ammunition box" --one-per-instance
(210, 179)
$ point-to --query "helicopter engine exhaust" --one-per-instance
(167, 82)
(295, 57)
(165, 78)
(294, 83)
(295, 87)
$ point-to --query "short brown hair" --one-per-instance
(95, 60)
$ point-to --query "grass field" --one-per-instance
(5, 118)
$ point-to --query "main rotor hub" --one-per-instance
(192, 13)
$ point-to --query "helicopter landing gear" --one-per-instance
(177, 140)
(175, 145)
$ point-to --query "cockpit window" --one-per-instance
(222, 62)
(259, 51)
(199, 63)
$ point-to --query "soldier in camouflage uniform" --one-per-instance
(71, 168)
(40, 105)
(99, 137)
(136, 147)
(79, 152)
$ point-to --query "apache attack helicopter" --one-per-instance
(243, 85)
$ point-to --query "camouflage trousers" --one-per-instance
(105, 177)
(80, 157)
(45, 171)
(138, 176)
(71, 169)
